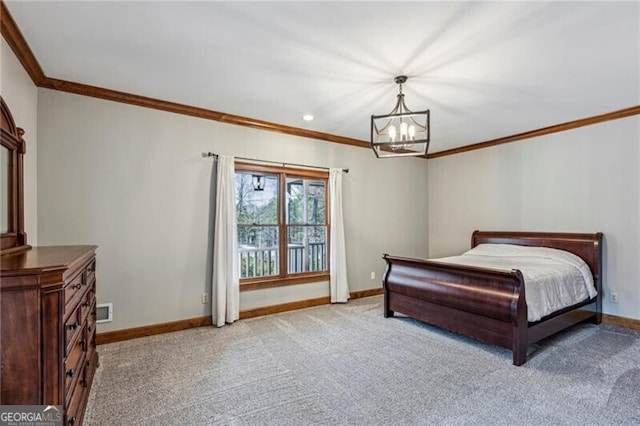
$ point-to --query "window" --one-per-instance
(282, 225)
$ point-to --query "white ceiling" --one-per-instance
(485, 70)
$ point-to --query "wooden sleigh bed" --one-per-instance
(488, 304)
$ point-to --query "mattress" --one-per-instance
(553, 279)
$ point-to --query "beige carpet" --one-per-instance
(346, 364)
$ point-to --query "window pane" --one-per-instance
(306, 201)
(307, 249)
(255, 205)
(316, 203)
(258, 251)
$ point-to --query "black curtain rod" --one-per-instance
(211, 154)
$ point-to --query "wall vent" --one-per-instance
(104, 312)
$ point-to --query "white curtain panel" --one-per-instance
(226, 282)
(338, 277)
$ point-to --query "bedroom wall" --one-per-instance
(132, 181)
(21, 95)
(582, 180)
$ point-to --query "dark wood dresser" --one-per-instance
(48, 328)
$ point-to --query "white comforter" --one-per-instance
(554, 279)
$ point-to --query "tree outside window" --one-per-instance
(282, 225)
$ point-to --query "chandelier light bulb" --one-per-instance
(412, 132)
(392, 133)
(403, 131)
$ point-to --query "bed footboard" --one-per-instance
(485, 304)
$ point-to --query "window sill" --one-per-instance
(262, 283)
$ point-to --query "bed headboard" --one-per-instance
(587, 246)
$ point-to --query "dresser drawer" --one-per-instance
(87, 302)
(72, 291)
(91, 325)
(91, 271)
(73, 366)
(79, 316)
(90, 366)
(72, 329)
(73, 412)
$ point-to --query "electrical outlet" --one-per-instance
(205, 297)
(613, 297)
(373, 276)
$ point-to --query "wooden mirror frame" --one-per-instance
(15, 239)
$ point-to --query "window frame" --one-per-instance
(285, 278)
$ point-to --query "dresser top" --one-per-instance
(44, 259)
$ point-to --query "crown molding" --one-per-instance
(143, 101)
(621, 113)
(18, 44)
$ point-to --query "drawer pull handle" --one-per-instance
(85, 305)
(73, 326)
(72, 420)
(83, 345)
(71, 372)
(84, 382)
(77, 286)
(89, 328)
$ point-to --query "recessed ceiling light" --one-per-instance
(308, 117)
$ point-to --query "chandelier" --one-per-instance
(402, 132)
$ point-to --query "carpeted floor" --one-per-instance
(347, 365)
